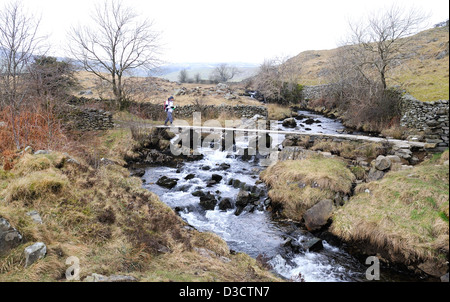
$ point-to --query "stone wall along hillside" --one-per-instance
(429, 118)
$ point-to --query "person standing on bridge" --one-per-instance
(169, 107)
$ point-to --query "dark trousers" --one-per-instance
(169, 118)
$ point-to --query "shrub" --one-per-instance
(33, 126)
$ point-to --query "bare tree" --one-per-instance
(358, 92)
(223, 73)
(19, 42)
(382, 37)
(277, 80)
(360, 68)
(183, 76)
(117, 43)
(266, 81)
(197, 78)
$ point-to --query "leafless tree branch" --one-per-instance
(119, 43)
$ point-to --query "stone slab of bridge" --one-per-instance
(395, 143)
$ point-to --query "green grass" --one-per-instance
(297, 185)
(423, 76)
(420, 74)
(405, 213)
(427, 84)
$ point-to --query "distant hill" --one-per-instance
(172, 71)
(423, 71)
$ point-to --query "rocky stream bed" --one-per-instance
(221, 192)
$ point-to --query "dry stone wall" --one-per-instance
(156, 112)
(86, 119)
(316, 92)
(76, 116)
(428, 118)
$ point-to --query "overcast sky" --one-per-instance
(231, 30)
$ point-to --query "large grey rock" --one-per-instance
(34, 252)
(318, 215)
(313, 245)
(382, 163)
(374, 175)
(243, 198)
(9, 236)
(444, 278)
(394, 158)
(290, 123)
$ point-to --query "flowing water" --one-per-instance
(253, 231)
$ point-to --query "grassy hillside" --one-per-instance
(423, 70)
(404, 214)
(99, 214)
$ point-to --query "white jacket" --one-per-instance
(169, 105)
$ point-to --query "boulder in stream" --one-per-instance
(216, 177)
(246, 201)
(208, 201)
(309, 121)
(290, 123)
(243, 198)
(225, 204)
(167, 182)
(223, 166)
(189, 176)
(198, 193)
(318, 215)
(313, 245)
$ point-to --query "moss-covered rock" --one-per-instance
(297, 185)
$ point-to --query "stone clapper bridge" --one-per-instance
(402, 148)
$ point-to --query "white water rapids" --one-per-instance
(254, 233)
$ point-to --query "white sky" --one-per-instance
(231, 30)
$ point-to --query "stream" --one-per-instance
(253, 231)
